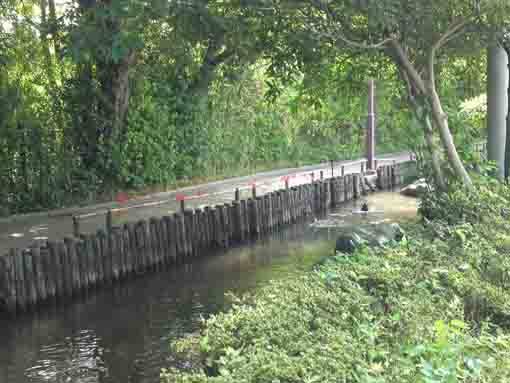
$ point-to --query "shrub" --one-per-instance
(434, 308)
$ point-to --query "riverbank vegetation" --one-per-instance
(434, 308)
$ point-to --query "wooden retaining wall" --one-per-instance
(67, 268)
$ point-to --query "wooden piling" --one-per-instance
(126, 250)
(21, 291)
(131, 254)
(153, 240)
(316, 198)
(56, 274)
(117, 254)
(70, 243)
(163, 235)
(30, 284)
(218, 226)
(171, 236)
(209, 217)
(109, 221)
(40, 278)
(47, 266)
(104, 256)
(8, 265)
(65, 276)
(88, 261)
(246, 219)
(76, 226)
(189, 230)
(237, 221)
(138, 259)
(356, 186)
(227, 223)
(253, 216)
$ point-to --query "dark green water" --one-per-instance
(121, 335)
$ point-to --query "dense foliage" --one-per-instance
(97, 96)
(431, 309)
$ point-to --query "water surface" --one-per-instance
(122, 334)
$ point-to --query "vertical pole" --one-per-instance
(254, 191)
(370, 141)
(343, 170)
(497, 105)
(76, 226)
(321, 175)
(183, 206)
(237, 195)
(109, 220)
(332, 169)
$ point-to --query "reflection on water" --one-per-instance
(122, 334)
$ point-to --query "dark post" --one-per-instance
(370, 142)
(76, 226)
(254, 191)
(286, 183)
(332, 168)
(109, 220)
(343, 170)
(182, 204)
(237, 195)
(321, 175)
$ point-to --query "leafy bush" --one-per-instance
(435, 308)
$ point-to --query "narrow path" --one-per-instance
(26, 230)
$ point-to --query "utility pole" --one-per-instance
(497, 105)
(370, 139)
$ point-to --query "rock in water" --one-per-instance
(370, 182)
(371, 235)
(416, 189)
(347, 243)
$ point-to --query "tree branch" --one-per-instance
(453, 32)
(406, 64)
(355, 44)
(332, 15)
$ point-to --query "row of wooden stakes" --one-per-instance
(65, 268)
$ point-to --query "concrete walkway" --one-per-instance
(22, 231)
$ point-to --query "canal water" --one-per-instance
(122, 335)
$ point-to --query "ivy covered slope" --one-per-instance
(434, 308)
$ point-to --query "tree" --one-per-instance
(419, 36)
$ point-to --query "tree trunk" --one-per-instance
(424, 119)
(438, 115)
(434, 154)
(441, 120)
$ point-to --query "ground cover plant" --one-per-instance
(434, 308)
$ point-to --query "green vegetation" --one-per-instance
(433, 309)
(98, 96)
